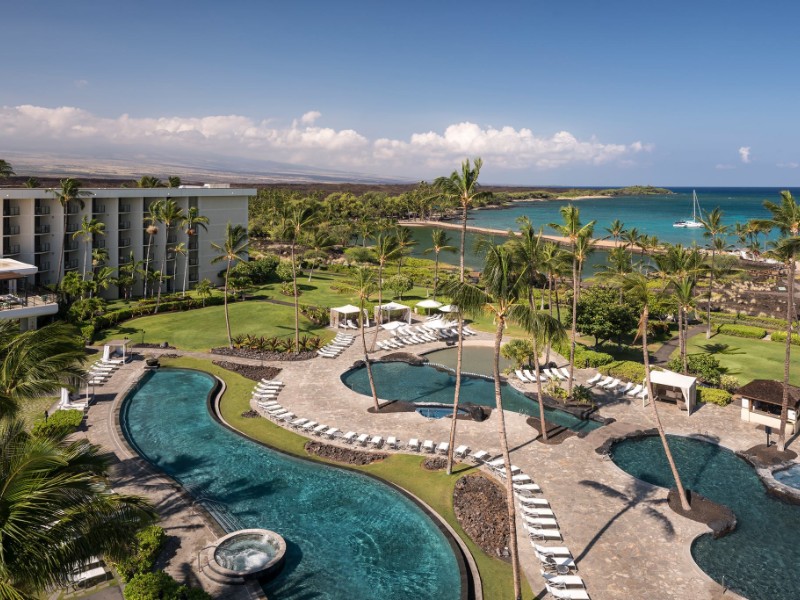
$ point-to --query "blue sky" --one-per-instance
(572, 93)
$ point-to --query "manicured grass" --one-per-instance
(33, 409)
(748, 359)
(435, 488)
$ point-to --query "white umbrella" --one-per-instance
(347, 309)
(440, 324)
(429, 304)
(448, 308)
(392, 325)
(106, 353)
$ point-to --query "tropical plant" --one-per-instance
(5, 169)
(170, 214)
(405, 241)
(148, 181)
(786, 219)
(615, 230)
(386, 248)
(191, 222)
(151, 221)
(173, 181)
(440, 242)
(363, 286)
(57, 511)
(714, 230)
(89, 228)
(232, 250)
(32, 182)
(636, 285)
(300, 219)
(68, 194)
(545, 331)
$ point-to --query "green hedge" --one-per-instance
(61, 422)
(743, 319)
(143, 557)
(780, 336)
(627, 370)
(161, 586)
(584, 358)
(743, 331)
(714, 396)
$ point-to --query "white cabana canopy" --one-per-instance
(429, 303)
(666, 383)
(448, 308)
(118, 347)
(339, 311)
(391, 325)
(393, 308)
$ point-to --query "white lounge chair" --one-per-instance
(527, 488)
(319, 429)
(274, 381)
(480, 456)
(521, 376)
(413, 444)
(565, 593)
(298, 422)
(538, 512)
(461, 451)
(540, 521)
(287, 416)
(332, 433)
(521, 478)
(350, 437)
(597, 377)
(496, 463)
(559, 375)
(605, 381)
(310, 425)
(275, 408)
(274, 414)
(538, 533)
(530, 375)
(561, 551)
(515, 470)
(636, 390)
(565, 580)
(443, 447)
(376, 441)
(625, 389)
(530, 501)
(560, 562)
(428, 446)
(549, 374)
(612, 387)
(266, 403)
(362, 439)
(392, 442)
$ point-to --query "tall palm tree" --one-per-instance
(68, 194)
(713, 230)
(502, 296)
(574, 231)
(191, 222)
(386, 248)
(5, 169)
(406, 241)
(363, 285)
(102, 279)
(786, 219)
(89, 228)
(173, 181)
(636, 286)
(232, 250)
(57, 513)
(619, 262)
(299, 220)
(170, 214)
(553, 261)
(544, 331)
(36, 362)
(151, 220)
(528, 249)
(32, 182)
(683, 292)
(181, 249)
(440, 242)
(615, 230)
(148, 181)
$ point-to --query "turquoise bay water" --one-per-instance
(759, 559)
(402, 381)
(348, 536)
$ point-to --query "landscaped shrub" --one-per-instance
(143, 557)
(358, 254)
(161, 586)
(729, 383)
(258, 271)
(704, 366)
(275, 344)
(658, 328)
(60, 423)
(743, 331)
(626, 370)
(713, 396)
(582, 394)
(769, 323)
(780, 336)
(284, 271)
(584, 358)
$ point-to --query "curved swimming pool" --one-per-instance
(347, 535)
(759, 559)
(411, 383)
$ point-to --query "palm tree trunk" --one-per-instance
(574, 327)
(380, 302)
(501, 430)
(539, 394)
(147, 264)
(550, 294)
(790, 316)
(161, 275)
(85, 257)
(225, 301)
(63, 248)
(372, 387)
(296, 306)
(185, 273)
(673, 467)
(456, 395)
(684, 366)
(463, 240)
(710, 291)
(436, 274)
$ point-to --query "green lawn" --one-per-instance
(435, 488)
(748, 359)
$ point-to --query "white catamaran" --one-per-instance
(692, 223)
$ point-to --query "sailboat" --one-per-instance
(692, 223)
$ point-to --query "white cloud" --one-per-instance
(788, 165)
(744, 154)
(303, 141)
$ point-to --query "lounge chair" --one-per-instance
(612, 387)
(559, 375)
(530, 375)
(527, 488)
(287, 416)
(564, 593)
(565, 580)
(551, 550)
(413, 444)
(351, 324)
(549, 374)
(597, 377)
(274, 414)
(362, 439)
(538, 512)
(319, 429)
(428, 446)
(443, 447)
(521, 478)
(540, 521)
(521, 376)
(376, 441)
(298, 422)
(274, 408)
(392, 442)
(350, 437)
(636, 390)
(310, 425)
(627, 388)
(605, 381)
(565, 372)
(515, 470)
(267, 403)
(538, 533)
(496, 463)
(562, 564)
(479, 456)
(530, 501)
(331, 433)
(272, 381)
(461, 451)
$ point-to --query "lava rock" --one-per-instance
(482, 511)
(252, 372)
(343, 455)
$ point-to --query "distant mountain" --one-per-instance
(215, 169)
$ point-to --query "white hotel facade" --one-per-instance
(33, 231)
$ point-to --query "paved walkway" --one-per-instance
(662, 355)
(627, 542)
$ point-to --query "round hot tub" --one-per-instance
(248, 554)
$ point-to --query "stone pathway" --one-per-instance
(661, 356)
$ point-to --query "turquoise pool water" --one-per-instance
(348, 536)
(402, 381)
(759, 559)
(436, 412)
(790, 476)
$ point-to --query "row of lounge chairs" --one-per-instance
(421, 334)
(617, 386)
(101, 371)
(554, 374)
(556, 562)
(336, 346)
(350, 324)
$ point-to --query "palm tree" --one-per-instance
(32, 182)
(57, 511)
(386, 248)
(102, 279)
(68, 194)
(528, 248)
(204, 289)
(170, 214)
(153, 212)
(232, 250)
(319, 243)
(37, 362)
(297, 223)
(181, 249)
(636, 285)
(553, 261)
(173, 181)
(619, 262)
(615, 230)
(440, 243)
(363, 285)
(683, 292)
(127, 275)
(406, 241)
(501, 296)
(5, 169)
(89, 228)
(148, 181)
(190, 223)
(545, 331)
(714, 230)
(786, 219)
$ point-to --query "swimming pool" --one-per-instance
(759, 559)
(790, 476)
(347, 535)
(439, 412)
(402, 381)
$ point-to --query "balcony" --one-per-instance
(193, 262)
(10, 249)
(71, 265)
(41, 248)
(70, 246)
(11, 211)
(36, 304)
(124, 242)
(11, 230)
(42, 266)
(99, 209)
(72, 226)
(123, 225)
(41, 210)
(193, 244)
(98, 244)
(172, 239)
(41, 229)
(73, 209)
(124, 208)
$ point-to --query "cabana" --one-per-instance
(398, 312)
(427, 305)
(762, 400)
(341, 313)
(671, 386)
(119, 347)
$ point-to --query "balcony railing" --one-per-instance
(40, 248)
(124, 208)
(11, 211)
(70, 246)
(12, 301)
(73, 209)
(124, 242)
(193, 262)
(124, 225)
(99, 244)
(193, 244)
(71, 265)
(72, 227)
(10, 250)
(11, 230)
(41, 210)
(41, 229)
(42, 266)
(99, 209)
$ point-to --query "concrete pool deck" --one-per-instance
(626, 541)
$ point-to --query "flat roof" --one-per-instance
(11, 269)
(131, 192)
